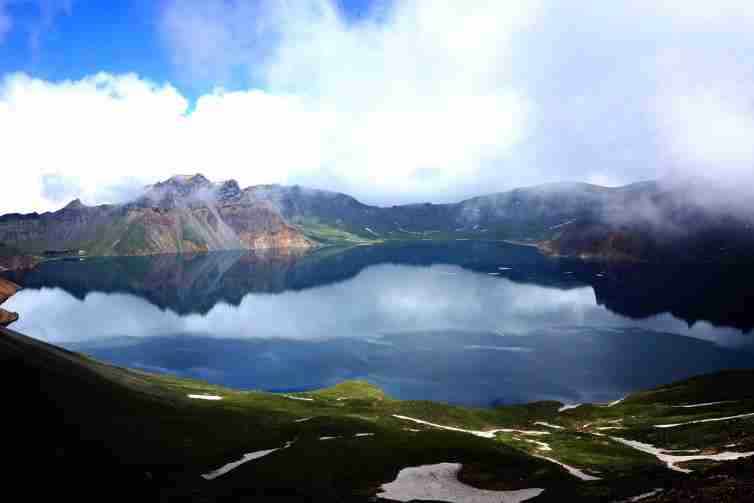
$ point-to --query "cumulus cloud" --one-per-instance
(411, 101)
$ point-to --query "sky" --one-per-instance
(389, 101)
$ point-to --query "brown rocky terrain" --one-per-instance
(182, 214)
(7, 290)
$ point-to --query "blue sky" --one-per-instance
(390, 101)
(77, 38)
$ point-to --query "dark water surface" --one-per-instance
(463, 322)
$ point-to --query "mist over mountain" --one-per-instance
(655, 221)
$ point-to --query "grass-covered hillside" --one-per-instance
(78, 428)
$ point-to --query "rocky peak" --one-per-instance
(228, 190)
(197, 179)
(76, 204)
(176, 189)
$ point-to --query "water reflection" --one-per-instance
(462, 322)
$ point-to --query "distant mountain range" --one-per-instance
(648, 221)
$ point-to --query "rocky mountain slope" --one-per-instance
(667, 221)
(182, 214)
(661, 222)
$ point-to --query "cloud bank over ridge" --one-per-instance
(412, 101)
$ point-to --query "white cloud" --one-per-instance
(420, 100)
(401, 110)
(698, 12)
(707, 126)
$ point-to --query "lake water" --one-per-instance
(464, 322)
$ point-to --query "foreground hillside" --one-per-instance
(661, 222)
(83, 429)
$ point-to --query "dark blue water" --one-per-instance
(463, 322)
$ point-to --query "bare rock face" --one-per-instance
(259, 226)
(7, 290)
(7, 317)
(186, 213)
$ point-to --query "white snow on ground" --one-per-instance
(543, 446)
(246, 458)
(611, 427)
(548, 425)
(569, 407)
(558, 226)
(671, 461)
(299, 398)
(702, 404)
(494, 273)
(573, 471)
(616, 402)
(205, 397)
(364, 435)
(673, 425)
(327, 438)
(645, 496)
(504, 268)
(370, 231)
(303, 419)
(483, 434)
(440, 483)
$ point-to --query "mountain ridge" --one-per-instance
(649, 221)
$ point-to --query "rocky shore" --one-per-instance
(7, 290)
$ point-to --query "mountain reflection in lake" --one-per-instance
(465, 322)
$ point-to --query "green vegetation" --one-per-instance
(328, 234)
(118, 425)
(190, 234)
(134, 239)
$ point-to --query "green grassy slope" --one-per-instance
(78, 427)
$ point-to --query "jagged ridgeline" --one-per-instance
(182, 214)
(663, 221)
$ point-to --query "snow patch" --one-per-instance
(205, 397)
(299, 398)
(573, 471)
(616, 402)
(673, 425)
(569, 407)
(483, 434)
(702, 404)
(548, 425)
(246, 458)
(671, 461)
(440, 482)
